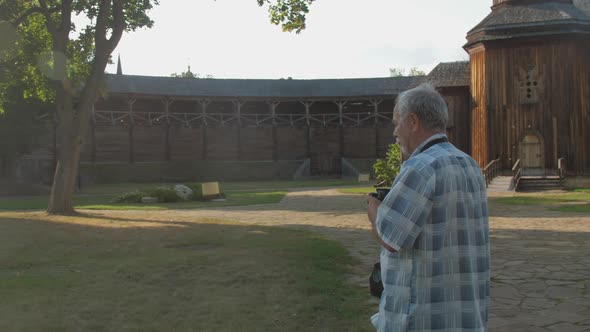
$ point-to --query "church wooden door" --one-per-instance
(531, 152)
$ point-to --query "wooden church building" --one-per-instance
(524, 95)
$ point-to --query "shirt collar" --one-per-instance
(431, 138)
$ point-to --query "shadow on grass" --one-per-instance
(100, 272)
(93, 272)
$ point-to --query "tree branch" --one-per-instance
(101, 24)
(118, 26)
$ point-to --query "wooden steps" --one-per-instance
(540, 183)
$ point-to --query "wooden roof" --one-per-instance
(259, 88)
(450, 74)
(512, 19)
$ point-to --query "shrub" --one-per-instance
(197, 191)
(130, 197)
(387, 169)
(164, 195)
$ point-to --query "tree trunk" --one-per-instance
(64, 180)
(73, 123)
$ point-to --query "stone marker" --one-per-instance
(183, 191)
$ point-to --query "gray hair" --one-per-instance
(427, 104)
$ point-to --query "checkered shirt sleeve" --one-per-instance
(405, 210)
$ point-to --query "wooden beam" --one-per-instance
(130, 103)
(204, 103)
(273, 111)
(167, 148)
(307, 105)
(375, 103)
(93, 137)
(238, 109)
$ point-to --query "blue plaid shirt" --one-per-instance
(436, 217)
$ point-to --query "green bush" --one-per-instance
(197, 191)
(164, 195)
(387, 169)
(130, 197)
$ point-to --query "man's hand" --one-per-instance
(372, 214)
(372, 208)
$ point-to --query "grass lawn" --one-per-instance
(103, 202)
(96, 273)
(99, 197)
(357, 190)
(577, 200)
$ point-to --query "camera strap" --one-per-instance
(433, 142)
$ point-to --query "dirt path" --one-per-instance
(539, 258)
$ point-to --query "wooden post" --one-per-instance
(307, 105)
(167, 153)
(375, 103)
(555, 155)
(130, 103)
(93, 137)
(238, 109)
(275, 142)
(341, 104)
(204, 126)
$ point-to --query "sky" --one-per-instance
(343, 39)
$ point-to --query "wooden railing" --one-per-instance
(491, 171)
(516, 174)
(239, 119)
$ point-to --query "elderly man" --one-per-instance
(432, 226)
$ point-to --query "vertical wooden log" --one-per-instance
(204, 126)
(341, 104)
(275, 142)
(167, 153)
(238, 109)
(130, 103)
(375, 103)
(307, 105)
(93, 136)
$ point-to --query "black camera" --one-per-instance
(380, 193)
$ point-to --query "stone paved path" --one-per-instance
(540, 259)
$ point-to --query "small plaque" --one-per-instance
(210, 189)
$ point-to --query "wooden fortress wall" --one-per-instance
(139, 138)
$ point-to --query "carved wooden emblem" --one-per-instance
(530, 85)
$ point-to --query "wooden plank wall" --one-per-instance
(458, 128)
(479, 132)
(384, 137)
(149, 143)
(564, 73)
(359, 143)
(292, 143)
(186, 143)
(111, 143)
(222, 144)
(257, 143)
(325, 151)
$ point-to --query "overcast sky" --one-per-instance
(343, 39)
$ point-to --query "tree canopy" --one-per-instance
(413, 71)
(67, 64)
